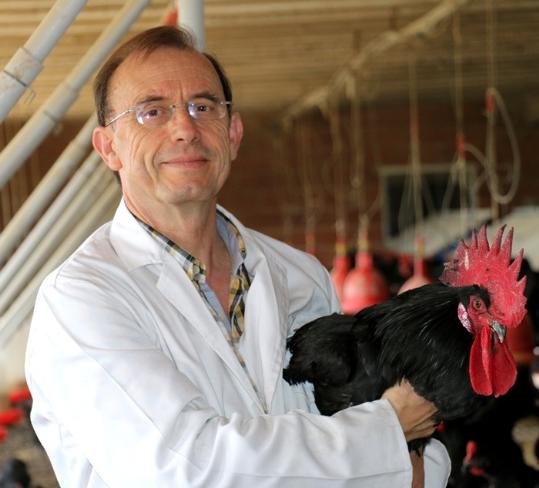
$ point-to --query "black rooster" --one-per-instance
(446, 339)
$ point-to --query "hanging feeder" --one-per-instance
(171, 17)
(341, 268)
(364, 286)
(20, 395)
(420, 276)
(340, 261)
(11, 416)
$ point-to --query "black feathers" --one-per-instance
(416, 336)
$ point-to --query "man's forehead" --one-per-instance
(164, 70)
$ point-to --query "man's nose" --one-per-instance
(182, 126)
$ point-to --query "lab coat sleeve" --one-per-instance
(309, 308)
(102, 384)
(436, 459)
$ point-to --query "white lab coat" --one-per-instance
(134, 384)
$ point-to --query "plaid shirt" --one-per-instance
(232, 322)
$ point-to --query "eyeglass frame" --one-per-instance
(189, 105)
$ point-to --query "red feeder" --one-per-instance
(419, 278)
(405, 265)
(170, 18)
(338, 275)
(341, 267)
(11, 416)
(20, 395)
(3, 433)
(364, 286)
(471, 449)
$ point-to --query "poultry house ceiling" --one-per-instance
(278, 51)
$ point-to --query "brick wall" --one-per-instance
(265, 189)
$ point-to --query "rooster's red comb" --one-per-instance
(491, 268)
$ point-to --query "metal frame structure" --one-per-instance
(32, 208)
(91, 194)
(51, 112)
(27, 62)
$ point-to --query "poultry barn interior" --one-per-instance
(379, 133)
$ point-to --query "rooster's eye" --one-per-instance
(477, 303)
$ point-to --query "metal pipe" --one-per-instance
(191, 17)
(26, 63)
(72, 202)
(43, 193)
(54, 237)
(23, 305)
(373, 50)
(48, 115)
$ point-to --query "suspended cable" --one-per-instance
(287, 192)
(373, 50)
(338, 173)
(490, 108)
(419, 276)
(358, 176)
(308, 191)
(459, 170)
(504, 199)
(493, 103)
(415, 149)
(459, 116)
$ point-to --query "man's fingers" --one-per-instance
(417, 416)
(423, 429)
(430, 423)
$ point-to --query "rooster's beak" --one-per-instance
(499, 330)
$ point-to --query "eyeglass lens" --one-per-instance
(158, 113)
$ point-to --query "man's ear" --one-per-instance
(104, 145)
(235, 134)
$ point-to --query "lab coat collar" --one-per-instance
(135, 247)
(262, 345)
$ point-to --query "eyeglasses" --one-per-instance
(158, 113)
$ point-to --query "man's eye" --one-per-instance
(153, 112)
(202, 107)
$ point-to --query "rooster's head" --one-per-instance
(494, 303)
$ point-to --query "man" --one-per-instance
(156, 351)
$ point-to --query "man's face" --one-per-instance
(185, 160)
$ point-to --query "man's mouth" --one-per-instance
(186, 161)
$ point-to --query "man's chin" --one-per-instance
(185, 195)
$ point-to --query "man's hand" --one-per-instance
(416, 415)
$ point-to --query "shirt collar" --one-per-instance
(194, 267)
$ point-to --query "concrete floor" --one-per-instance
(22, 444)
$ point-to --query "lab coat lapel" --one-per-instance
(175, 285)
(262, 345)
(266, 314)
